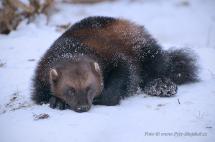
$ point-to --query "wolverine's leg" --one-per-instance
(117, 84)
(114, 89)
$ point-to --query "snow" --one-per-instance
(188, 116)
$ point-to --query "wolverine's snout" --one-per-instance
(82, 108)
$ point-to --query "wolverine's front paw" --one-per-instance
(57, 103)
(162, 87)
(108, 100)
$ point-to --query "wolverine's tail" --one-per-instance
(182, 66)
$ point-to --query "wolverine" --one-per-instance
(101, 60)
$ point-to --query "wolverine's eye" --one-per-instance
(89, 90)
(71, 91)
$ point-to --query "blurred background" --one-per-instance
(12, 12)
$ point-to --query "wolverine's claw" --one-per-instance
(56, 103)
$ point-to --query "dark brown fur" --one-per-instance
(115, 36)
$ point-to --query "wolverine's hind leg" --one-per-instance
(162, 87)
(154, 70)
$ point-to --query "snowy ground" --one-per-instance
(136, 119)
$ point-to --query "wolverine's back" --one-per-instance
(107, 36)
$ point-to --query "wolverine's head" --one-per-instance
(76, 83)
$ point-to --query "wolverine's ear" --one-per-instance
(54, 75)
(96, 66)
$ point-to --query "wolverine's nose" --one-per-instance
(82, 108)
